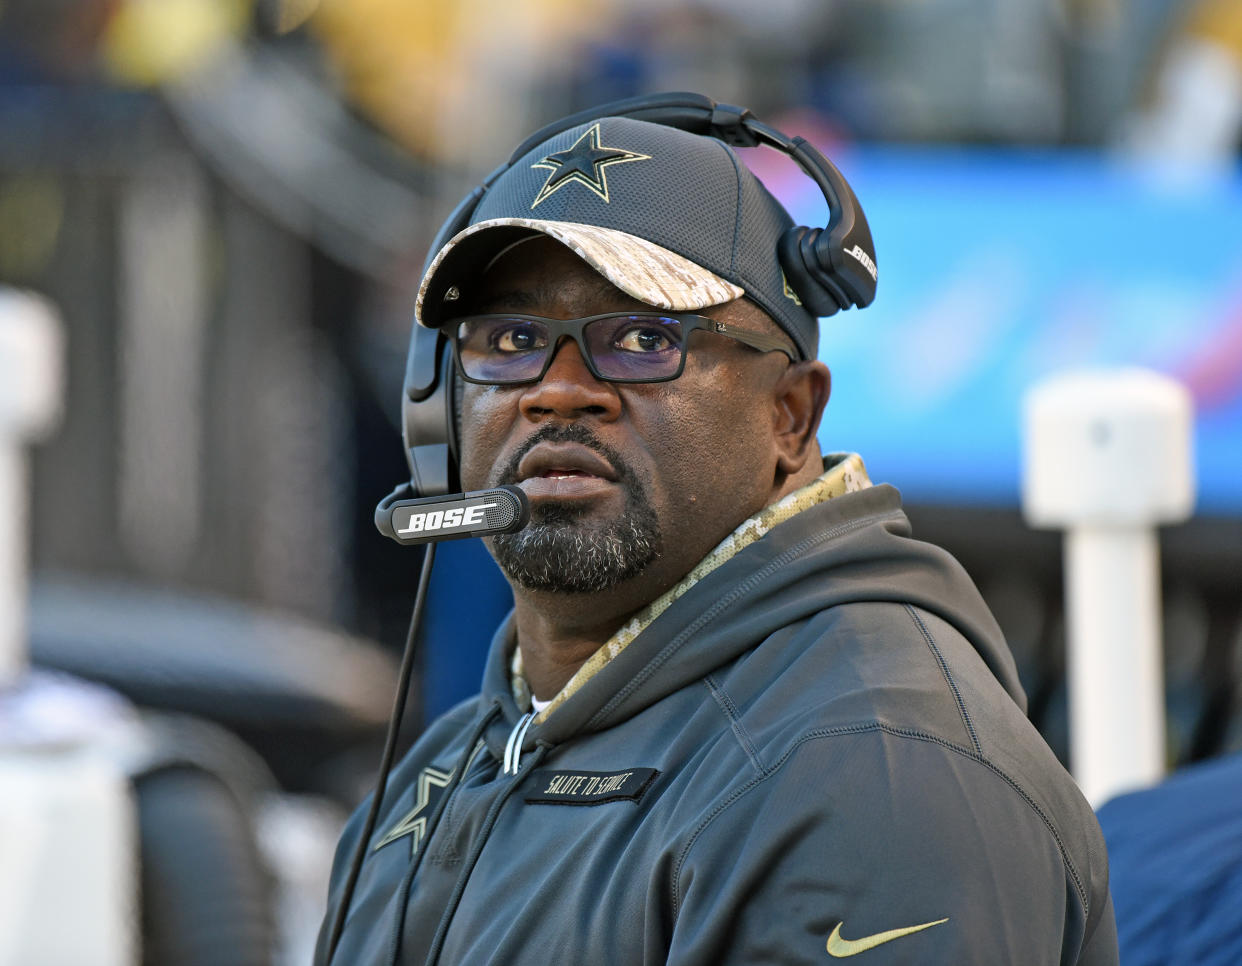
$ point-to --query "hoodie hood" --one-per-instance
(853, 548)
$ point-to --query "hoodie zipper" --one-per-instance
(493, 813)
(512, 763)
(467, 758)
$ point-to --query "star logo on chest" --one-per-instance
(585, 163)
(414, 823)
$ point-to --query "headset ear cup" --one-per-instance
(428, 420)
(812, 282)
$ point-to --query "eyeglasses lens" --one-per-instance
(500, 350)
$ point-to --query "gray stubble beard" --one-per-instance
(560, 551)
(557, 552)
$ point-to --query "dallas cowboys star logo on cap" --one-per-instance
(584, 163)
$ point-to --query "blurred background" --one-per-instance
(229, 202)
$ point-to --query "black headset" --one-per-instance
(828, 268)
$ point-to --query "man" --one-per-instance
(737, 714)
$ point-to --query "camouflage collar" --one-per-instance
(845, 474)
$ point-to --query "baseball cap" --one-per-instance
(674, 219)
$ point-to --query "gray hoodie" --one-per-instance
(819, 751)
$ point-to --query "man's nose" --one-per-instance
(569, 389)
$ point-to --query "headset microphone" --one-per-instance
(480, 513)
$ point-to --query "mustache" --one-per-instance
(573, 433)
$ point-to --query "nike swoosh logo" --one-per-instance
(839, 948)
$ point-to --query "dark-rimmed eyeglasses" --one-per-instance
(505, 350)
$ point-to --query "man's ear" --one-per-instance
(799, 398)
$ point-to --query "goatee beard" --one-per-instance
(560, 551)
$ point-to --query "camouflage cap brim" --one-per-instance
(651, 274)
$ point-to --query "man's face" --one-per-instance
(630, 484)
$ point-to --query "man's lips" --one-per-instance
(564, 459)
(564, 470)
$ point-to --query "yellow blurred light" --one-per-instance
(409, 64)
(1219, 21)
(148, 42)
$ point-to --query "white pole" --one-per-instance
(30, 399)
(67, 821)
(12, 563)
(1116, 687)
(1107, 458)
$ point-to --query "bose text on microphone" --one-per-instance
(477, 514)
